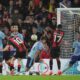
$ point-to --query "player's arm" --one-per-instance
(6, 48)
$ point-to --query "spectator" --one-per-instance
(46, 3)
(16, 15)
(10, 7)
(36, 2)
(38, 8)
(6, 16)
(1, 14)
(75, 3)
(26, 37)
(31, 7)
(44, 23)
(67, 3)
(10, 21)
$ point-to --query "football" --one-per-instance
(34, 37)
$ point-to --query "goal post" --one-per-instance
(71, 11)
(69, 18)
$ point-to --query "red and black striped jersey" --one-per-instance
(17, 43)
(57, 37)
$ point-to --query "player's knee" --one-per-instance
(29, 63)
(72, 62)
(57, 59)
(1, 56)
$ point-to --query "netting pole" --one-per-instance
(58, 16)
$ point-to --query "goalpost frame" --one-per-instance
(64, 9)
(67, 17)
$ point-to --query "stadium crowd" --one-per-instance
(32, 16)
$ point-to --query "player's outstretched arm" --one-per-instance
(6, 48)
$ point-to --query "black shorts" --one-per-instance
(29, 62)
(20, 54)
(55, 52)
(74, 59)
(1, 56)
(8, 55)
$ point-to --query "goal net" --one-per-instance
(69, 18)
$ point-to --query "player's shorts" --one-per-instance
(8, 55)
(1, 56)
(55, 52)
(20, 54)
(74, 58)
(29, 62)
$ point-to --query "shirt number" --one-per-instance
(18, 40)
(57, 37)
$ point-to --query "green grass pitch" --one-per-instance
(64, 77)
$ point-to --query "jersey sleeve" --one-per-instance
(21, 37)
(2, 35)
(40, 47)
(74, 44)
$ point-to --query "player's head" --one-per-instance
(34, 29)
(44, 40)
(78, 35)
(59, 26)
(14, 28)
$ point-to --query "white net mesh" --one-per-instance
(70, 20)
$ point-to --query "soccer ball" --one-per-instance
(34, 37)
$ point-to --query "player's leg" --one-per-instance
(17, 68)
(11, 64)
(20, 56)
(59, 66)
(9, 58)
(51, 64)
(19, 65)
(58, 61)
(52, 51)
(6, 57)
(73, 60)
(57, 55)
(1, 59)
(12, 58)
(29, 64)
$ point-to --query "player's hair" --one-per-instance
(59, 26)
(43, 38)
(15, 24)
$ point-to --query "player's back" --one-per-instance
(2, 36)
(37, 46)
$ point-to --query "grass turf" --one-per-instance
(64, 77)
